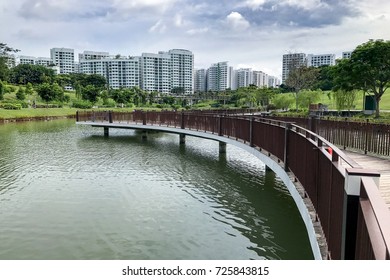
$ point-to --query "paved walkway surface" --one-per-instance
(382, 165)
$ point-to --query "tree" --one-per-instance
(325, 78)
(49, 92)
(20, 94)
(4, 57)
(368, 69)
(283, 100)
(96, 80)
(301, 77)
(34, 74)
(81, 79)
(90, 93)
(307, 97)
(122, 95)
(344, 99)
(1, 91)
(29, 89)
(63, 80)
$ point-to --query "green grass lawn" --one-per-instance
(34, 113)
(383, 105)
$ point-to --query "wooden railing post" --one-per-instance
(286, 144)
(182, 126)
(220, 126)
(352, 187)
(110, 116)
(251, 132)
(77, 116)
(143, 118)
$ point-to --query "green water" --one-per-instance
(67, 192)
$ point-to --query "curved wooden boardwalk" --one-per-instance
(380, 164)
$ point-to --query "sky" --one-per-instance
(248, 33)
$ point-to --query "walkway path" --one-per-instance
(382, 165)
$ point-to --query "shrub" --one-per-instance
(109, 103)
(11, 106)
(82, 104)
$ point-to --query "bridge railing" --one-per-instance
(355, 225)
(364, 136)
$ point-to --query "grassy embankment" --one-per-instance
(67, 111)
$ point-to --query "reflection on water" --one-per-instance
(67, 192)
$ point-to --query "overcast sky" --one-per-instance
(246, 33)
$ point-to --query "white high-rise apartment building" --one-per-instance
(26, 59)
(260, 79)
(346, 54)
(182, 70)
(160, 72)
(219, 76)
(200, 80)
(292, 60)
(10, 60)
(123, 72)
(320, 60)
(93, 55)
(273, 82)
(243, 77)
(156, 72)
(64, 58)
(118, 71)
(43, 61)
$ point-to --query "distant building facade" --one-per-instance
(219, 76)
(120, 72)
(182, 71)
(290, 61)
(63, 58)
(200, 84)
(321, 60)
(346, 55)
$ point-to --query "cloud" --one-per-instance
(252, 4)
(243, 32)
(237, 21)
(197, 31)
(158, 27)
(130, 8)
(303, 13)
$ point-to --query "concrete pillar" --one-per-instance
(182, 138)
(106, 131)
(222, 147)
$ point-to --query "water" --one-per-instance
(67, 192)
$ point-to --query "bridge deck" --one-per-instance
(382, 165)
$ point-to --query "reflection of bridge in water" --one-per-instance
(339, 201)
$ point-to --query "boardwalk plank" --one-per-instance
(382, 165)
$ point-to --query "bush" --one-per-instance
(20, 94)
(82, 104)
(11, 106)
(109, 103)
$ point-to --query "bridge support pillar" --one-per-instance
(106, 131)
(351, 206)
(144, 135)
(222, 147)
(182, 138)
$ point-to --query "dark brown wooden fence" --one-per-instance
(355, 227)
(365, 136)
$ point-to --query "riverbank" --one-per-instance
(29, 114)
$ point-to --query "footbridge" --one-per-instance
(339, 201)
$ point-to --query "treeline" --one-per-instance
(367, 70)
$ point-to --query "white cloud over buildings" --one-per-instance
(249, 32)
